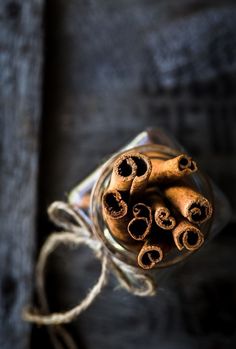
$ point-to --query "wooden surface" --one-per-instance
(20, 105)
(105, 80)
(101, 91)
(106, 87)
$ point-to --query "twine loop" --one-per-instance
(76, 232)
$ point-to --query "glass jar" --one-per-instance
(87, 198)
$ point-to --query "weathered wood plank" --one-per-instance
(20, 109)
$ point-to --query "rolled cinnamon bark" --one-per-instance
(115, 211)
(191, 204)
(187, 235)
(150, 255)
(142, 210)
(164, 171)
(140, 226)
(162, 214)
(131, 172)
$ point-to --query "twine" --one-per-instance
(77, 233)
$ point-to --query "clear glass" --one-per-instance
(163, 146)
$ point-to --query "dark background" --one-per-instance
(79, 79)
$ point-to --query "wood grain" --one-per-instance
(20, 105)
(102, 89)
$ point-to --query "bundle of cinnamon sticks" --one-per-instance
(150, 206)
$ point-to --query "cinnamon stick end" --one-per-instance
(139, 228)
(149, 256)
(193, 239)
(114, 205)
(186, 164)
(188, 236)
(199, 211)
(164, 219)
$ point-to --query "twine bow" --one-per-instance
(76, 233)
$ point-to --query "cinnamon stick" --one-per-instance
(162, 214)
(139, 227)
(187, 235)
(150, 255)
(142, 210)
(115, 211)
(131, 172)
(190, 203)
(164, 171)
